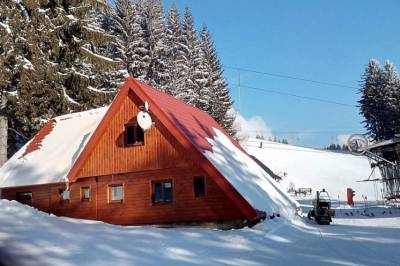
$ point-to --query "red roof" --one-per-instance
(196, 124)
(189, 125)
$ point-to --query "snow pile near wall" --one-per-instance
(57, 152)
(248, 178)
(317, 169)
(32, 238)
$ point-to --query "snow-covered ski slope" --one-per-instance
(30, 237)
(317, 169)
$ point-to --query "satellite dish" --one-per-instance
(146, 106)
(357, 144)
(144, 120)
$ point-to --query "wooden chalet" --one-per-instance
(100, 165)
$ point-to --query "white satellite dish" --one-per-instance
(144, 120)
(357, 144)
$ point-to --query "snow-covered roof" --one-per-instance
(49, 156)
(248, 177)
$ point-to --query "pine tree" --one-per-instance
(82, 66)
(52, 61)
(126, 24)
(27, 73)
(379, 103)
(216, 86)
(154, 35)
(390, 88)
(190, 61)
(175, 57)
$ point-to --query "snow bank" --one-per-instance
(56, 154)
(248, 178)
(317, 169)
(32, 238)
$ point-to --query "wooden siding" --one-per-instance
(110, 155)
(137, 206)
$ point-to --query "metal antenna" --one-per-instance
(239, 101)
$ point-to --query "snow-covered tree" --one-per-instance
(28, 75)
(215, 90)
(154, 35)
(176, 65)
(190, 62)
(52, 60)
(391, 90)
(380, 98)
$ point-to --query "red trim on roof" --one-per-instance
(189, 125)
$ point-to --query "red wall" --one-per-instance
(137, 206)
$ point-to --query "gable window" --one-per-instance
(24, 196)
(85, 193)
(116, 193)
(64, 194)
(134, 135)
(162, 191)
(199, 186)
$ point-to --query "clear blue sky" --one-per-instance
(322, 40)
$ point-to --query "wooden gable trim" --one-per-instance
(131, 84)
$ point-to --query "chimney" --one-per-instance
(3, 132)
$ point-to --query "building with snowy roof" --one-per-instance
(100, 164)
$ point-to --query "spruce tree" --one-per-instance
(175, 58)
(390, 88)
(56, 64)
(379, 103)
(220, 100)
(154, 35)
(190, 63)
(27, 73)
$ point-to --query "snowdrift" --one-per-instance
(32, 238)
(311, 168)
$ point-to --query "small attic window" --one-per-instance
(134, 135)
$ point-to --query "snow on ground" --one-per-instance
(317, 169)
(248, 178)
(30, 237)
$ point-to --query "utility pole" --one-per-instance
(239, 101)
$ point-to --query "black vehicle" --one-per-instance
(322, 212)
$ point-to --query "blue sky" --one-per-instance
(321, 40)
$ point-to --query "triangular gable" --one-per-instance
(190, 126)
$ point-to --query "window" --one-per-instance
(24, 196)
(116, 193)
(134, 135)
(199, 186)
(85, 193)
(162, 191)
(64, 194)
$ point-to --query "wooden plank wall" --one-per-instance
(110, 156)
(137, 207)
